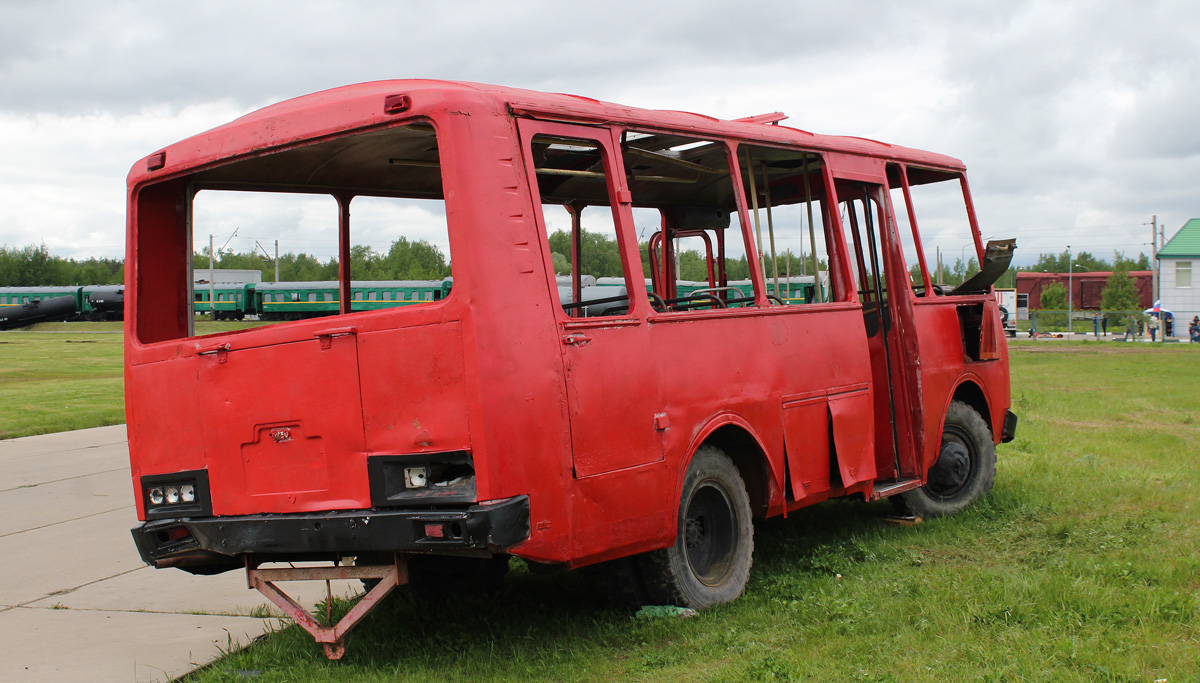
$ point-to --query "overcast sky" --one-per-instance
(1076, 119)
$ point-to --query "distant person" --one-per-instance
(1104, 324)
(1194, 329)
(1152, 327)
(1096, 325)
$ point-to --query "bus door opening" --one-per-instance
(885, 320)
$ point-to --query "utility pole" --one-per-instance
(212, 305)
(1154, 256)
(1070, 302)
(268, 256)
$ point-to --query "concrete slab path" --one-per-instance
(76, 602)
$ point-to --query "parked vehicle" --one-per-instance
(1007, 299)
(569, 420)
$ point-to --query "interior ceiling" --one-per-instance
(401, 161)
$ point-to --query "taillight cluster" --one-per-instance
(182, 494)
(172, 494)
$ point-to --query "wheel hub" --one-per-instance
(952, 468)
(693, 532)
(710, 534)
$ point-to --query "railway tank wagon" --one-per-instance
(91, 302)
(563, 421)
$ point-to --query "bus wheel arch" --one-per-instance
(735, 438)
(970, 392)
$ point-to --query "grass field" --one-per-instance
(56, 377)
(53, 382)
(1081, 566)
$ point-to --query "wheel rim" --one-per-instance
(953, 478)
(710, 533)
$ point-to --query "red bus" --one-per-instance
(660, 325)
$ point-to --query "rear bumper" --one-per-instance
(215, 544)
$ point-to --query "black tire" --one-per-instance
(964, 472)
(709, 562)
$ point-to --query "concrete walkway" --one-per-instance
(76, 601)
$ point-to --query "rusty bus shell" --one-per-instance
(574, 439)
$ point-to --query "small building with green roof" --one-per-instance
(1179, 281)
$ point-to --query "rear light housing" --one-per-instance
(181, 494)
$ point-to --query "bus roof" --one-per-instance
(364, 105)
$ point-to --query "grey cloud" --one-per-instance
(126, 56)
(1065, 111)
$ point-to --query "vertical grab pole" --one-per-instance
(762, 264)
(770, 225)
(812, 235)
(343, 252)
(576, 257)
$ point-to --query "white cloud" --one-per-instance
(1070, 114)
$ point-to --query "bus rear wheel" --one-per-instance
(964, 471)
(709, 562)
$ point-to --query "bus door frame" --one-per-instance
(613, 404)
(901, 379)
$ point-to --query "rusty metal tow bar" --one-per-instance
(333, 636)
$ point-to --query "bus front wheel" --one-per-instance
(964, 471)
(709, 562)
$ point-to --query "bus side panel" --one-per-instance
(515, 389)
(944, 362)
(753, 366)
(806, 430)
(622, 513)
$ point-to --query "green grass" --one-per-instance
(53, 382)
(55, 377)
(1081, 566)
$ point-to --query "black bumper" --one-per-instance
(214, 544)
(1010, 427)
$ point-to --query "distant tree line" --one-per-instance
(33, 266)
(404, 260)
(419, 260)
(601, 258)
